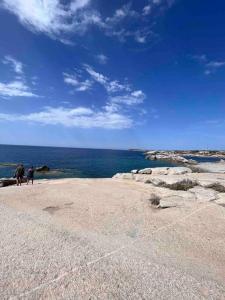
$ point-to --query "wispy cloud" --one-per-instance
(60, 20)
(133, 98)
(17, 87)
(74, 117)
(50, 16)
(75, 81)
(111, 86)
(120, 14)
(101, 58)
(17, 65)
(120, 96)
(210, 66)
(153, 5)
(213, 66)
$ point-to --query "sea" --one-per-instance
(74, 162)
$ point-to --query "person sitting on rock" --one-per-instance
(30, 175)
(19, 174)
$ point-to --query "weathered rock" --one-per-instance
(145, 171)
(124, 176)
(170, 156)
(220, 199)
(134, 171)
(9, 181)
(167, 204)
(179, 171)
(204, 194)
(160, 171)
(217, 167)
(177, 183)
(165, 171)
(42, 169)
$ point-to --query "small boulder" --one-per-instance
(145, 171)
(123, 176)
(167, 204)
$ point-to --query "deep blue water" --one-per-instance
(74, 162)
(203, 159)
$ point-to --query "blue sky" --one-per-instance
(113, 74)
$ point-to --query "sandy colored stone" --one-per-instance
(101, 239)
(217, 167)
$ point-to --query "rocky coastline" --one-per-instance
(182, 156)
(182, 183)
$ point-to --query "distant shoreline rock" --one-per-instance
(179, 156)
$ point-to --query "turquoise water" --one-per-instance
(74, 162)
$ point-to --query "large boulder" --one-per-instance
(165, 171)
(42, 169)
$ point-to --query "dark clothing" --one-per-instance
(19, 172)
(30, 173)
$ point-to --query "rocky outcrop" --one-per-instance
(169, 156)
(187, 186)
(9, 181)
(165, 171)
(181, 157)
(216, 167)
(204, 194)
(42, 169)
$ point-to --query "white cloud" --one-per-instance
(78, 4)
(102, 59)
(74, 117)
(215, 64)
(120, 14)
(157, 4)
(61, 19)
(142, 36)
(147, 10)
(111, 86)
(199, 58)
(96, 76)
(133, 98)
(119, 94)
(210, 66)
(49, 16)
(17, 65)
(74, 80)
(15, 88)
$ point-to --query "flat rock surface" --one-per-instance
(100, 239)
(217, 167)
